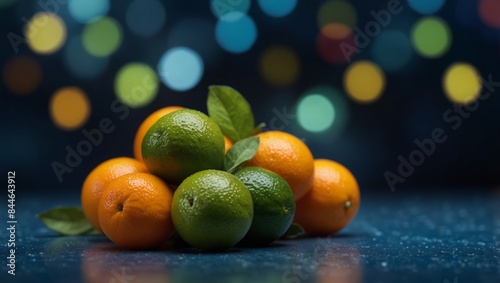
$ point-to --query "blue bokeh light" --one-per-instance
(392, 50)
(180, 68)
(315, 113)
(80, 63)
(221, 8)
(277, 8)
(236, 32)
(197, 34)
(335, 110)
(426, 7)
(145, 17)
(84, 11)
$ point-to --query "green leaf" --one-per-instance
(258, 128)
(241, 152)
(229, 109)
(93, 231)
(293, 231)
(66, 221)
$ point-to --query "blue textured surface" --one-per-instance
(398, 237)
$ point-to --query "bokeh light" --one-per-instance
(22, 75)
(335, 43)
(236, 32)
(80, 63)
(364, 81)
(221, 8)
(431, 37)
(181, 68)
(461, 83)
(489, 11)
(197, 34)
(69, 108)
(279, 66)
(315, 113)
(392, 50)
(45, 33)
(145, 17)
(136, 85)
(84, 11)
(337, 11)
(322, 112)
(426, 7)
(102, 37)
(277, 8)
(7, 3)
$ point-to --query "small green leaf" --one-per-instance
(93, 231)
(229, 109)
(258, 128)
(293, 231)
(241, 152)
(66, 220)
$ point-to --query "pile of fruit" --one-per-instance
(216, 180)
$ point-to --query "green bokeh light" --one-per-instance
(315, 113)
(102, 37)
(337, 11)
(136, 85)
(7, 3)
(431, 37)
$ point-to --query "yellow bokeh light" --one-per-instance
(364, 81)
(279, 66)
(69, 108)
(45, 33)
(461, 83)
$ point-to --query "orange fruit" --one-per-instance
(287, 156)
(98, 180)
(135, 211)
(146, 124)
(227, 144)
(332, 202)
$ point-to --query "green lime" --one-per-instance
(182, 143)
(212, 210)
(273, 204)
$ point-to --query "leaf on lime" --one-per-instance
(294, 231)
(241, 152)
(230, 110)
(67, 221)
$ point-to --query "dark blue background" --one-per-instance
(411, 107)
